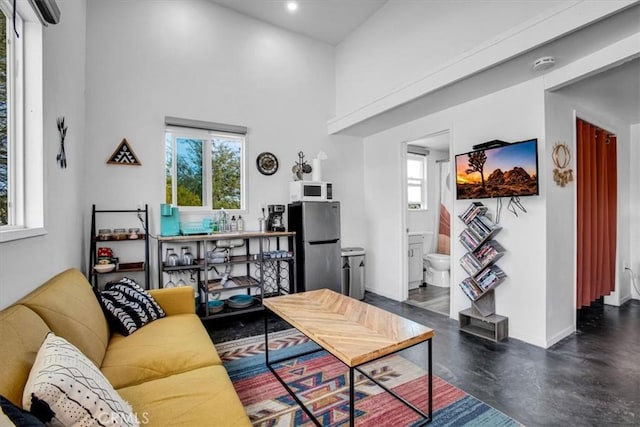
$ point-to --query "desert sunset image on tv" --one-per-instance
(506, 171)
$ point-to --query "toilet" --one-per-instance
(436, 270)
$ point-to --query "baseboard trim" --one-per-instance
(560, 336)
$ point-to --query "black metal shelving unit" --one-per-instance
(124, 267)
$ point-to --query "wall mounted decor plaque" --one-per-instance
(124, 155)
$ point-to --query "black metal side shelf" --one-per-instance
(100, 241)
(484, 275)
(240, 263)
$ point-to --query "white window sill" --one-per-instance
(207, 211)
(9, 235)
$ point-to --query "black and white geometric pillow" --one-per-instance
(65, 388)
(129, 306)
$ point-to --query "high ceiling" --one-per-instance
(329, 21)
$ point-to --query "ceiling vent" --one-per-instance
(47, 11)
(544, 63)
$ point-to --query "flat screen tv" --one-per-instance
(510, 170)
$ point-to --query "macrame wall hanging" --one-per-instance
(561, 155)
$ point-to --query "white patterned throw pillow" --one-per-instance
(128, 306)
(66, 389)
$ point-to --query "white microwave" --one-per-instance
(310, 191)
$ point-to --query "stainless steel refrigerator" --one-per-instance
(318, 259)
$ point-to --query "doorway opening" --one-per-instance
(428, 222)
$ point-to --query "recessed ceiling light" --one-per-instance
(292, 6)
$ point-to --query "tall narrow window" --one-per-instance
(205, 169)
(189, 164)
(226, 171)
(416, 181)
(21, 123)
(4, 131)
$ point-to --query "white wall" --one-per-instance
(512, 114)
(560, 257)
(26, 264)
(403, 42)
(194, 59)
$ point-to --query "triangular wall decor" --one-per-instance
(124, 155)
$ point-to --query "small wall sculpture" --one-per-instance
(561, 155)
(124, 155)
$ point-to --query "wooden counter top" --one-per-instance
(226, 236)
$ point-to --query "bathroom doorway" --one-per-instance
(596, 219)
(429, 222)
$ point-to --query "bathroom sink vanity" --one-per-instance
(415, 243)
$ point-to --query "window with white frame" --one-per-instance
(205, 169)
(416, 181)
(21, 127)
(6, 58)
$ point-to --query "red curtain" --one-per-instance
(597, 212)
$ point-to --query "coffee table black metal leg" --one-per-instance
(352, 400)
(266, 336)
(430, 379)
(275, 374)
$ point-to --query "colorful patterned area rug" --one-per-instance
(321, 382)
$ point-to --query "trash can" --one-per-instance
(353, 272)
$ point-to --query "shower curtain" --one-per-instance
(443, 218)
(596, 212)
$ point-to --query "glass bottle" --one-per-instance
(223, 221)
(215, 226)
(240, 223)
(234, 223)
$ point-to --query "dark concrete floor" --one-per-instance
(591, 378)
(431, 298)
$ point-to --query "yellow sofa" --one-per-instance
(169, 371)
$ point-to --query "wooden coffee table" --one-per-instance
(354, 332)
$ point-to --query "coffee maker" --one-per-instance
(274, 221)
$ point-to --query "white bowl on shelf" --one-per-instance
(104, 268)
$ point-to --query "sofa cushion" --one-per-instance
(201, 397)
(22, 332)
(178, 300)
(128, 306)
(65, 387)
(167, 346)
(70, 309)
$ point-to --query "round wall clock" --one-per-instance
(267, 163)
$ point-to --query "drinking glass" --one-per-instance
(170, 283)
